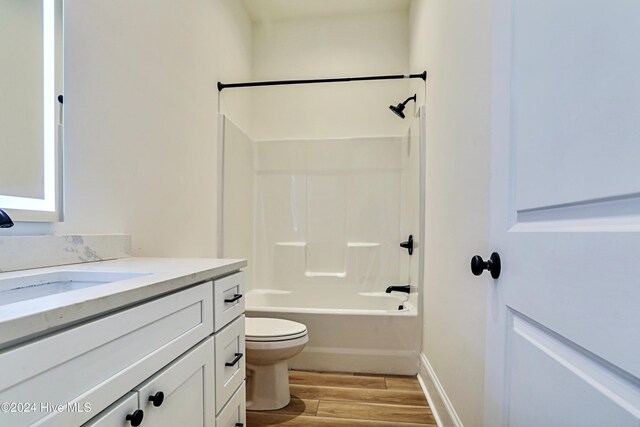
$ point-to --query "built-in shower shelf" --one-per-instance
(292, 244)
(362, 244)
(324, 274)
(349, 244)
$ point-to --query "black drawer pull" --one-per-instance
(157, 399)
(235, 298)
(239, 425)
(136, 418)
(235, 360)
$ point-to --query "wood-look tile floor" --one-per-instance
(343, 400)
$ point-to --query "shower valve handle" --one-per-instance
(408, 245)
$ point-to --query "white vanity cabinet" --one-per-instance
(177, 395)
(154, 364)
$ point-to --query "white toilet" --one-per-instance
(269, 344)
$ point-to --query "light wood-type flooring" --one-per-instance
(343, 400)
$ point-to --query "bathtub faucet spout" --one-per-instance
(403, 288)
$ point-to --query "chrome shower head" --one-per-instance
(399, 109)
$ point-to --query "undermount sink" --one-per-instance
(39, 285)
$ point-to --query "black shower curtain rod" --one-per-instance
(422, 76)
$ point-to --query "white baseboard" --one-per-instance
(442, 408)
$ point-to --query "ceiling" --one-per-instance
(276, 10)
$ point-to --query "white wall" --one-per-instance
(338, 46)
(452, 40)
(140, 118)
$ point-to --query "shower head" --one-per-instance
(398, 109)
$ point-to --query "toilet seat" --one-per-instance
(260, 329)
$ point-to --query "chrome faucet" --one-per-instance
(402, 288)
(5, 220)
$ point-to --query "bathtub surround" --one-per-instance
(24, 252)
(328, 219)
(324, 214)
(327, 214)
(413, 205)
(236, 189)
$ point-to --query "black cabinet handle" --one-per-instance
(239, 425)
(136, 418)
(157, 399)
(493, 264)
(235, 360)
(235, 298)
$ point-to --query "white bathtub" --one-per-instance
(347, 333)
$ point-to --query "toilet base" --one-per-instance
(267, 386)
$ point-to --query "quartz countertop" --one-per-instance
(37, 316)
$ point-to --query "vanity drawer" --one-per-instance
(96, 362)
(234, 413)
(228, 298)
(230, 361)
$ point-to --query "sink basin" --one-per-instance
(39, 285)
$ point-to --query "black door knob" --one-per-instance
(136, 418)
(157, 399)
(493, 265)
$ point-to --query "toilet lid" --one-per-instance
(265, 329)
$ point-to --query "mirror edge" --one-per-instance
(28, 215)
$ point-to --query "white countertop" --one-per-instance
(38, 315)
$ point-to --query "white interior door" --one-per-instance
(564, 316)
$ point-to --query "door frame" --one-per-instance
(501, 160)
